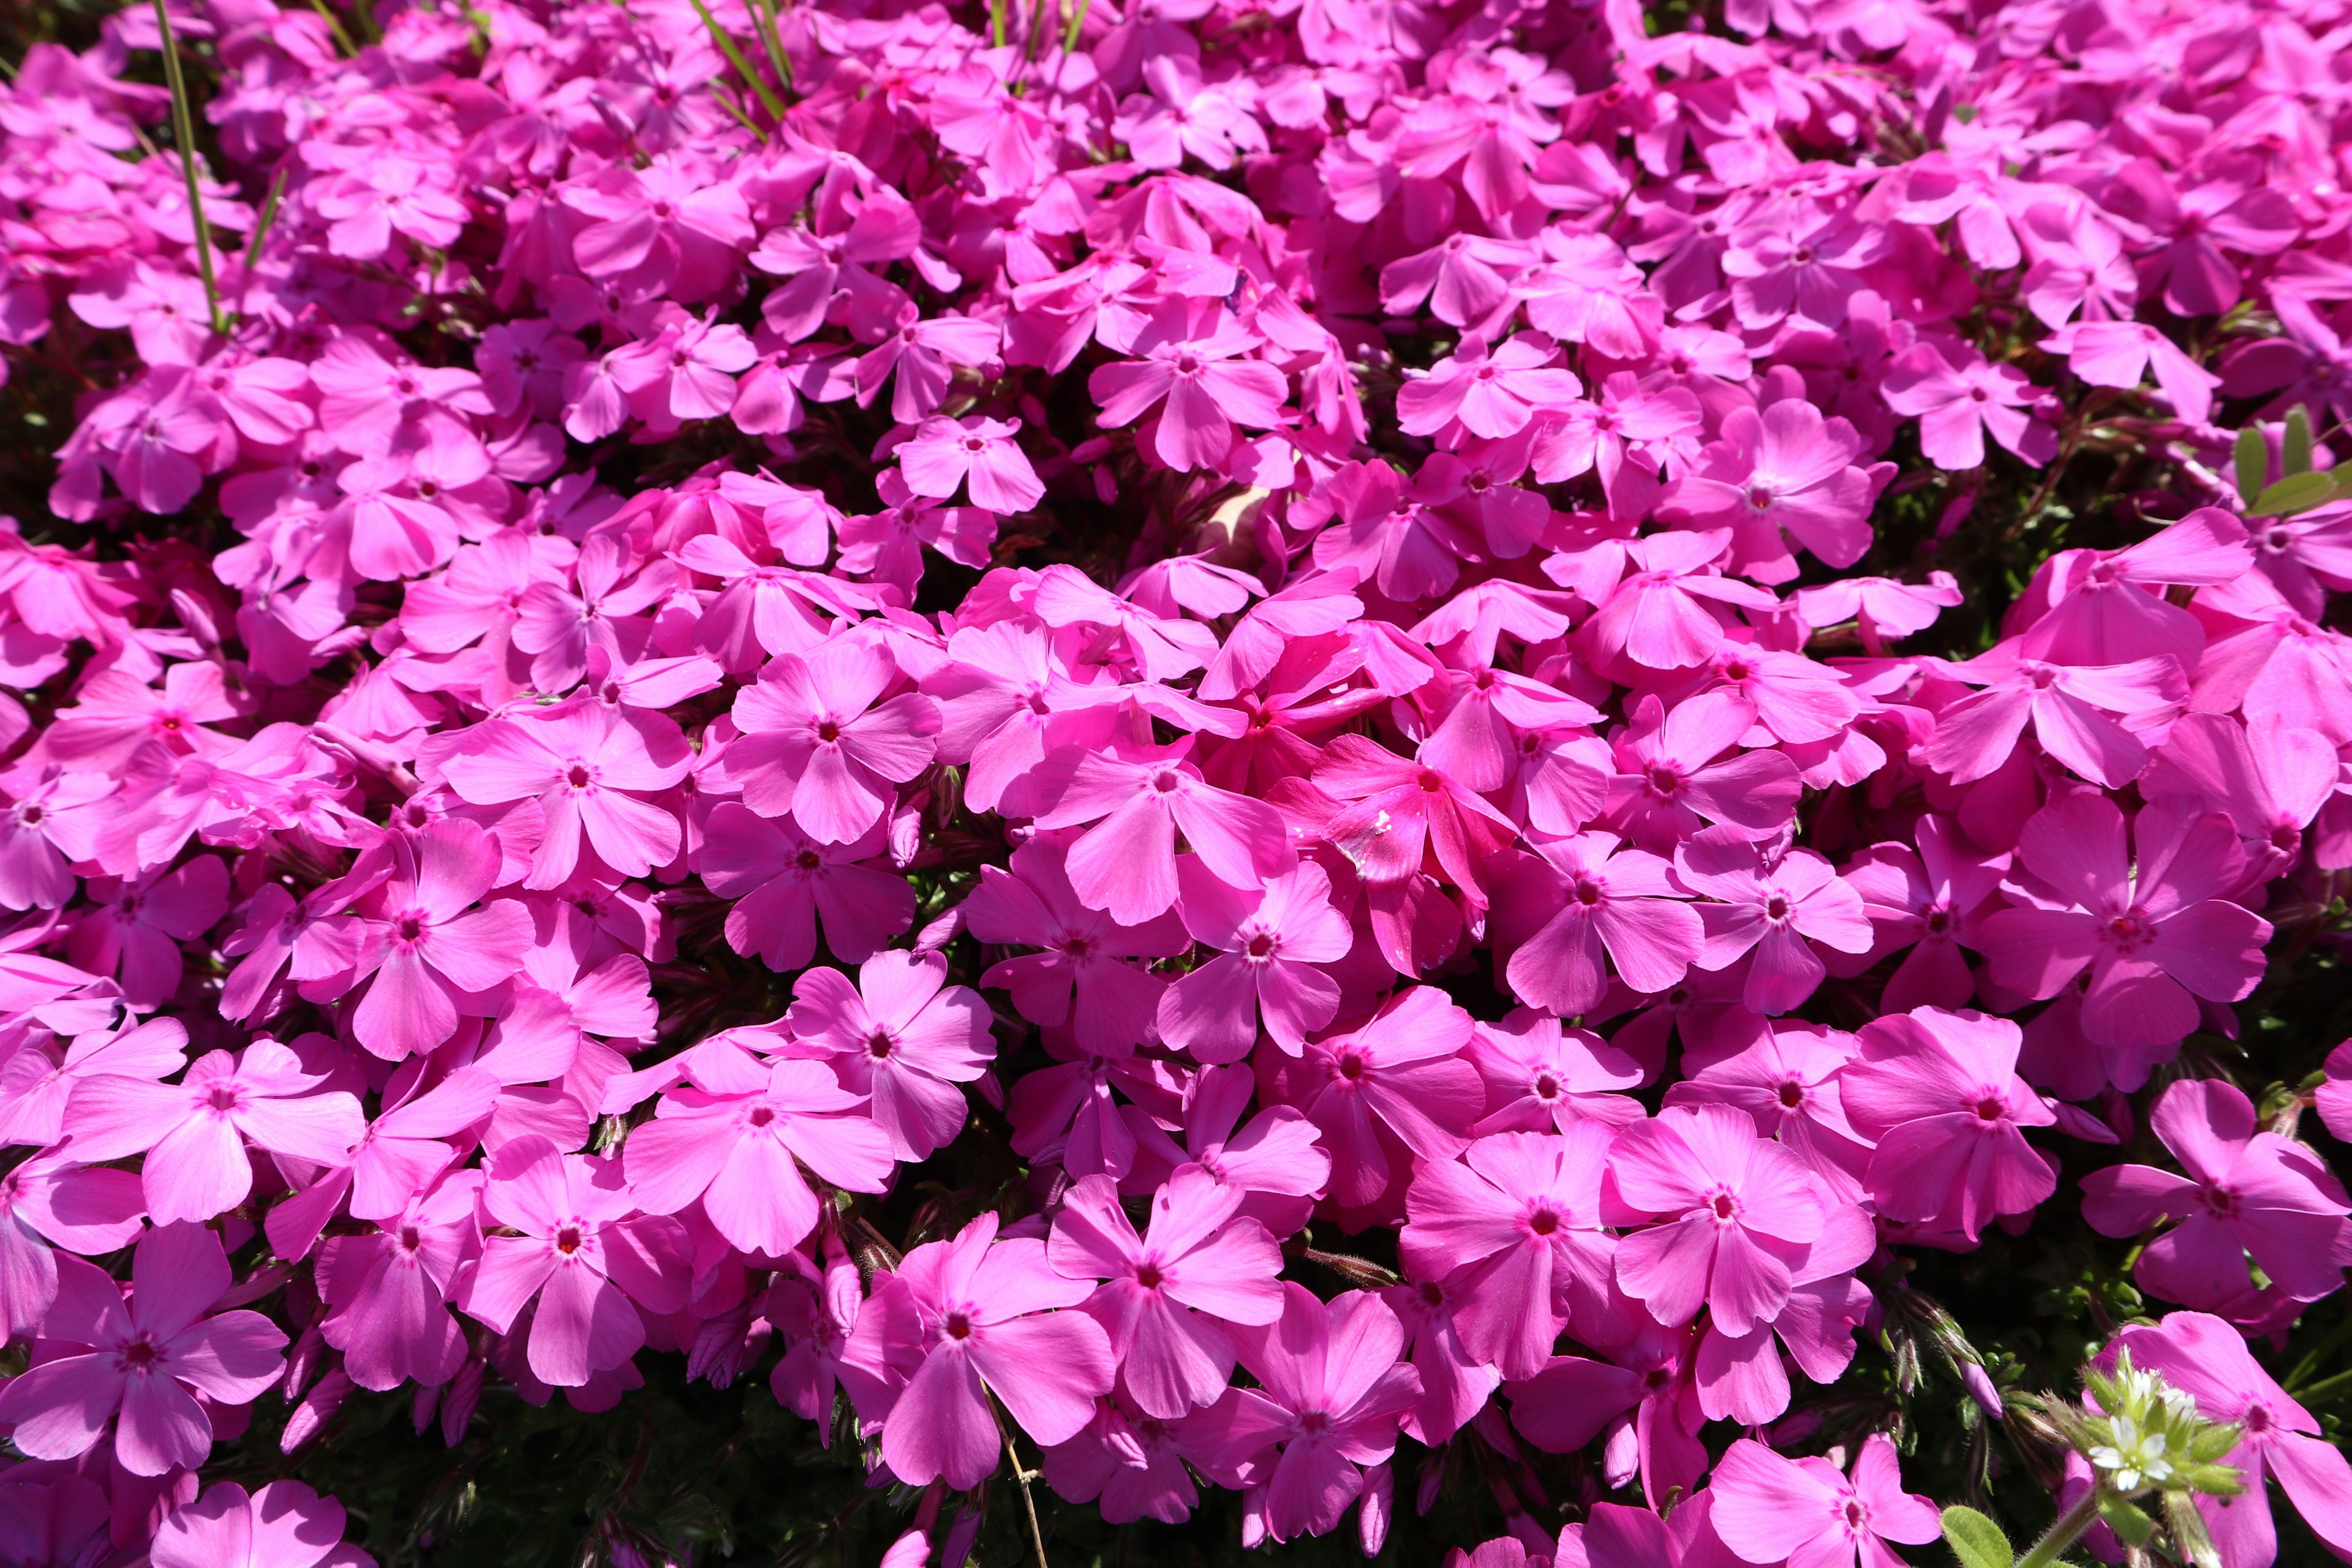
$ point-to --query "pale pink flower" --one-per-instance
(50, 1202)
(943, 453)
(1781, 478)
(389, 1289)
(902, 1036)
(1167, 1298)
(2082, 715)
(1138, 801)
(148, 1358)
(1541, 1074)
(1186, 358)
(1493, 395)
(1559, 911)
(1669, 778)
(1957, 403)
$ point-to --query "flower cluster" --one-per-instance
(1367, 638)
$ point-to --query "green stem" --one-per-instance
(1070, 38)
(772, 38)
(268, 216)
(996, 23)
(184, 130)
(2062, 1534)
(335, 25)
(735, 58)
(2325, 1388)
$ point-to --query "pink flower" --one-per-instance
(785, 883)
(1781, 476)
(2249, 1193)
(1185, 116)
(1167, 1299)
(1393, 1088)
(2208, 1360)
(389, 1289)
(1669, 778)
(87, 1210)
(137, 925)
(943, 453)
(194, 1133)
(1268, 944)
(1956, 404)
(902, 1039)
(1540, 1074)
(816, 744)
(1776, 910)
(583, 1251)
(734, 1135)
(1387, 533)
(1737, 1213)
(1769, 1508)
(1938, 1095)
(1926, 901)
(1402, 815)
(585, 765)
(1083, 976)
(1126, 863)
(1561, 909)
(1187, 360)
(1514, 1228)
(2149, 928)
(1332, 1392)
(919, 354)
(1492, 395)
(430, 948)
(2074, 711)
(147, 1358)
(283, 1525)
(964, 1319)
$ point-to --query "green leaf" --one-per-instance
(2132, 1526)
(1976, 1541)
(2296, 452)
(2296, 492)
(2253, 457)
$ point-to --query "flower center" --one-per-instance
(1543, 1222)
(578, 776)
(958, 1326)
(1261, 946)
(1991, 1108)
(1148, 1275)
(1792, 1094)
(878, 1046)
(567, 1240)
(1723, 1206)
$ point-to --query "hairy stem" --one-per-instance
(2062, 1534)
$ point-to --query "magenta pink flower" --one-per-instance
(1669, 779)
(2150, 928)
(1782, 479)
(1558, 912)
(2249, 1193)
(1332, 1392)
(1394, 1088)
(1185, 359)
(1737, 1213)
(1769, 1508)
(921, 354)
(389, 1290)
(50, 1201)
(283, 1525)
(1957, 403)
(1938, 1096)
(786, 883)
(1268, 944)
(1083, 977)
(1540, 1074)
(136, 926)
(816, 744)
(902, 1039)
(1514, 1228)
(1167, 1298)
(2208, 1360)
(1126, 863)
(1925, 900)
(734, 1135)
(1777, 910)
(194, 1132)
(959, 1321)
(585, 765)
(943, 453)
(1403, 817)
(582, 1252)
(2081, 715)
(1493, 395)
(146, 1359)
